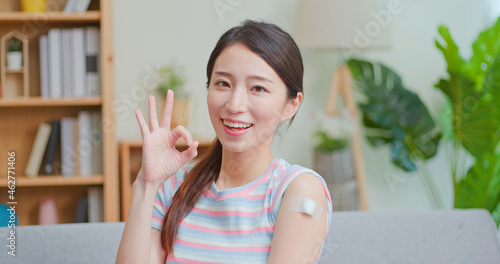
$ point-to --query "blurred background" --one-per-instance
(148, 33)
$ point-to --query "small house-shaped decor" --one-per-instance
(14, 68)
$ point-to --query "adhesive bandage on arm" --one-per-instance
(306, 205)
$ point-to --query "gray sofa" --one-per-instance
(440, 237)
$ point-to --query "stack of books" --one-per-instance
(79, 140)
(69, 63)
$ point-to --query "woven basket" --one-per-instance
(344, 195)
(335, 166)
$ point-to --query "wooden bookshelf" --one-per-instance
(50, 17)
(130, 164)
(38, 101)
(20, 117)
(56, 180)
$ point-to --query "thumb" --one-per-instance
(191, 152)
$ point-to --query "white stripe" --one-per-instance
(238, 207)
(214, 260)
(227, 227)
(227, 243)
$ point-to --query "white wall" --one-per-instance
(152, 32)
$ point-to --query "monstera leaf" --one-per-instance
(480, 188)
(394, 115)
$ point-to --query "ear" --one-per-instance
(292, 107)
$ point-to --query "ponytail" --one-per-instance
(200, 177)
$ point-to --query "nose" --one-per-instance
(237, 101)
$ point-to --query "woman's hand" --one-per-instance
(160, 159)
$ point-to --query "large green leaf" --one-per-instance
(475, 115)
(397, 115)
(496, 215)
(485, 49)
(450, 51)
(480, 188)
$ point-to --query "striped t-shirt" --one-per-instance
(234, 225)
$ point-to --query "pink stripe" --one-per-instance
(165, 209)
(264, 178)
(281, 185)
(207, 246)
(158, 219)
(172, 182)
(229, 232)
(228, 213)
(183, 260)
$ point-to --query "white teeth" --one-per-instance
(236, 125)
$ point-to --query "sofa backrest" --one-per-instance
(459, 236)
(455, 236)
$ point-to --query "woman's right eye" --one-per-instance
(222, 83)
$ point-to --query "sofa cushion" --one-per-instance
(436, 237)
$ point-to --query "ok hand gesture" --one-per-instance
(160, 158)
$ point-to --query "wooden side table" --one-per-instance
(130, 164)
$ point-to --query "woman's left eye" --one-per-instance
(259, 89)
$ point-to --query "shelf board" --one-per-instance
(10, 71)
(45, 180)
(18, 16)
(38, 101)
(179, 143)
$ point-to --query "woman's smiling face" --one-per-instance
(245, 92)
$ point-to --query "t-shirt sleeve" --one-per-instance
(285, 180)
(165, 194)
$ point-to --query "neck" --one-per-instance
(240, 168)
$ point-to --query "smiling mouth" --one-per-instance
(236, 126)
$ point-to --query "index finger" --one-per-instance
(167, 110)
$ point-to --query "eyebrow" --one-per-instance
(256, 77)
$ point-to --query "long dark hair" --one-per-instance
(279, 50)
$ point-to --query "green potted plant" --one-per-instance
(171, 78)
(14, 54)
(471, 123)
(333, 158)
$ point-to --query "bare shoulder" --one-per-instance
(306, 184)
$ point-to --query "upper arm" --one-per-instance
(157, 254)
(298, 237)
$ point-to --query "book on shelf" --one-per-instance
(92, 61)
(85, 143)
(69, 155)
(37, 150)
(95, 204)
(70, 62)
(67, 71)
(44, 66)
(81, 210)
(78, 60)
(49, 165)
(97, 141)
(78, 6)
(55, 63)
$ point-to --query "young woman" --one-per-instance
(236, 203)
